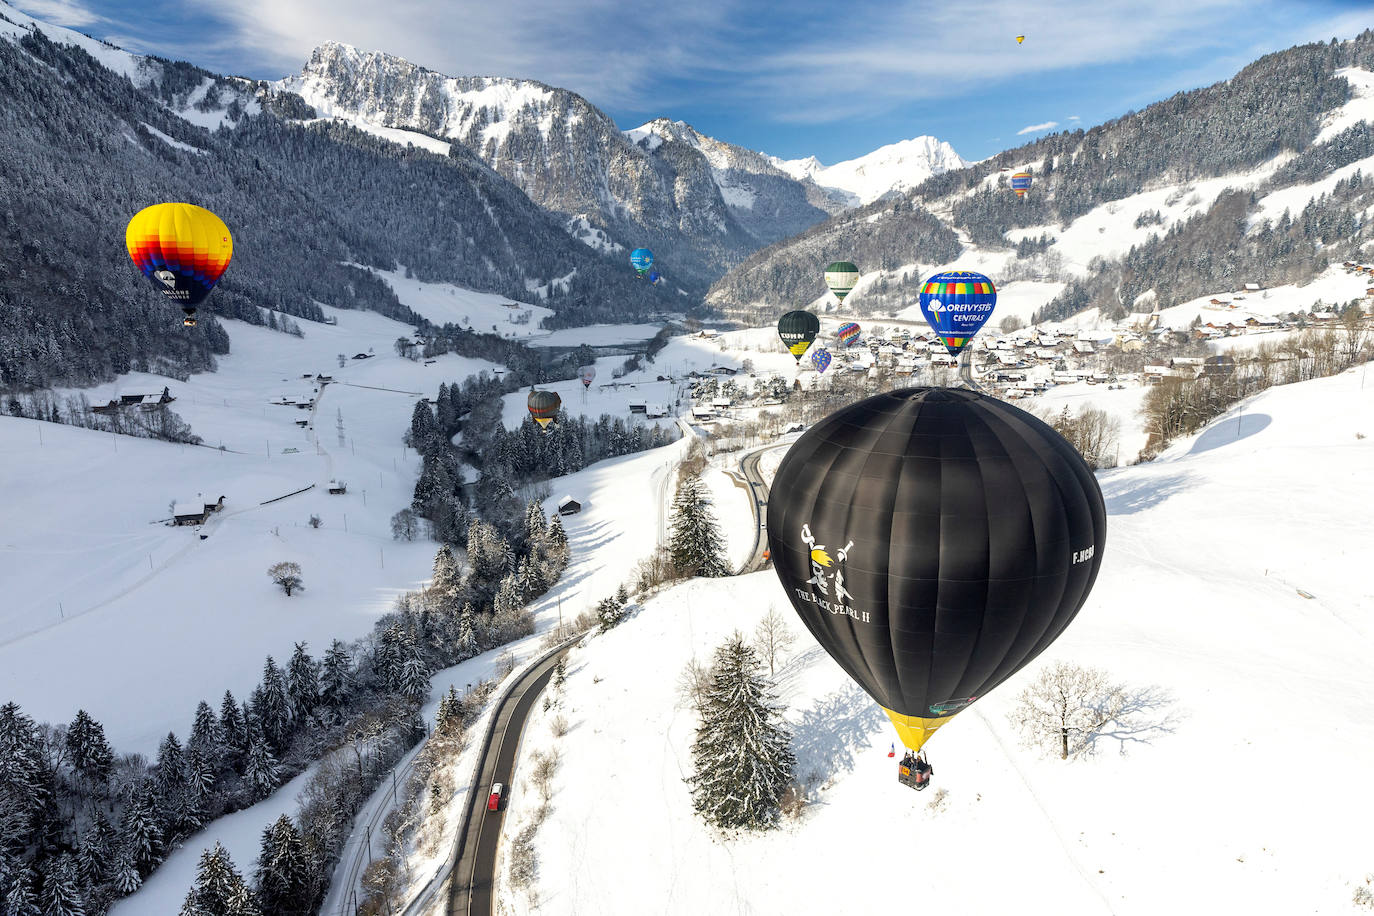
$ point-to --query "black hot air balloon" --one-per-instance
(934, 541)
(797, 329)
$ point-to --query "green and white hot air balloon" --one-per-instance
(841, 277)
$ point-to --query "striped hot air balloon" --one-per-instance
(841, 277)
(1020, 183)
(544, 406)
(183, 249)
(956, 304)
(848, 334)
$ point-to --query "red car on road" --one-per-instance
(494, 802)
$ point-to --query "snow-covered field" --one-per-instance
(1250, 799)
(1122, 404)
(596, 335)
(444, 303)
(92, 574)
(607, 539)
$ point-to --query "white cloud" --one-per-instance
(1037, 128)
(1074, 118)
(67, 13)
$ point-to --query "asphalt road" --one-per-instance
(749, 467)
(470, 891)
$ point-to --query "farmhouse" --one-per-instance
(194, 511)
(569, 506)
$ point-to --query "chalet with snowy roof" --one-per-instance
(721, 370)
(1252, 287)
(140, 401)
(569, 506)
(1083, 346)
(194, 511)
(654, 411)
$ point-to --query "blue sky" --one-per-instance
(793, 78)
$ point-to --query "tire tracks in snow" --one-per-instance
(1049, 819)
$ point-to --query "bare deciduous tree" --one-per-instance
(772, 638)
(288, 576)
(1068, 707)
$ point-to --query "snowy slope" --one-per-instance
(92, 575)
(894, 167)
(444, 303)
(1197, 596)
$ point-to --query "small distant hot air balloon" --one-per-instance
(641, 259)
(934, 541)
(820, 359)
(1020, 38)
(797, 329)
(956, 304)
(1020, 183)
(655, 277)
(588, 375)
(841, 276)
(183, 249)
(848, 334)
(544, 406)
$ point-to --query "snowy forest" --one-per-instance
(302, 202)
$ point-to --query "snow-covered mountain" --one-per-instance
(571, 158)
(889, 169)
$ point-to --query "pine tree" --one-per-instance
(303, 682)
(88, 751)
(125, 876)
(170, 770)
(95, 853)
(508, 601)
(449, 720)
(206, 737)
(558, 551)
(260, 768)
(414, 676)
(219, 889)
(467, 633)
(536, 526)
(742, 761)
(273, 707)
(142, 828)
(233, 734)
(336, 676)
(22, 900)
(447, 582)
(283, 879)
(62, 889)
(26, 784)
(696, 544)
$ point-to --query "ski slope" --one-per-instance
(1247, 796)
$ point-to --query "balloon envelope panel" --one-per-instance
(934, 541)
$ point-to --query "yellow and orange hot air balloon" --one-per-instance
(182, 249)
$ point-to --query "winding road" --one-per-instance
(470, 889)
(758, 489)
